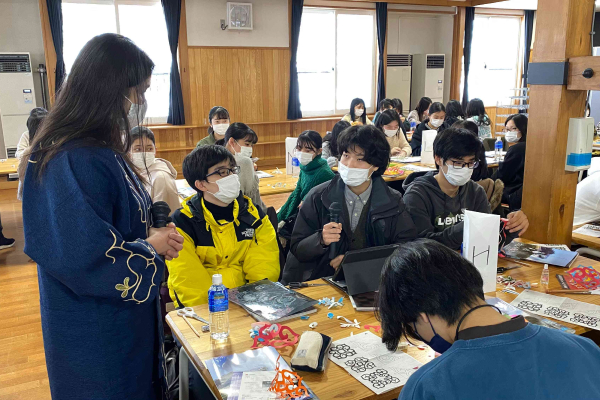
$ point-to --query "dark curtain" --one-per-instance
(172, 10)
(469, 19)
(381, 13)
(294, 111)
(529, 16)
(55, 17)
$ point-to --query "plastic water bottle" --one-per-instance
(295, 167)
(498, 149)
(218, 308)
(545, 278)
(413, 125)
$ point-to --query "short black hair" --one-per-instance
(468, 125)
(238, 131)
(36, 116)
(436, 107)
(455, 143)
(197, 163)
(385, 104)
(520, 122)
(454, 109)
(397, 105)
(310, 140)
(424, 277)
(372, 141)
(139, 132)
(386, 117)
(334, 135)
(217, 112)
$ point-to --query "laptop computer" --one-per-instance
(360, 270)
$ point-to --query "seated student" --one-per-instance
(357, 114)
(405, 125)
(437, 113)
(454, 114)
(437, 200)
(476, 113)
(159, 173)
(419, 114)
(224, 233)
(218, 118)
(36, 116)
(313, 171)
(511, 171)
(373, 214)
(330, 146)
(389, 123)
(239, 140)
(385, 104)
(481, 171)
(430, 293)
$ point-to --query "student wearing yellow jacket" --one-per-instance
(224, 233)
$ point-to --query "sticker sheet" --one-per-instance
(561, 308)
(368, 360)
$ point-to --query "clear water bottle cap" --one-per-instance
(217, 279)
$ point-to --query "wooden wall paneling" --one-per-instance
(458, 35)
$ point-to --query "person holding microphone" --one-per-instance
(88, 225)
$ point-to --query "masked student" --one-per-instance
(437, 200)
(372, 213)
(159, 173)
(218, 118)
(239, 139)
(390, 124)
(330, 143)
(358, 113)
(313, 171)
(437, 114)
(429, 292)
(224, 232)
(385, 104)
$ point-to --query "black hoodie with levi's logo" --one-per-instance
(438, 216)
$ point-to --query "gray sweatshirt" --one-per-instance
(249, 181)
(438, 216)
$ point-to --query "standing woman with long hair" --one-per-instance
(476, 113)
(88, 225)
(358, 113)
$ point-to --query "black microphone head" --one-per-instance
(160, 214)
(335, 210)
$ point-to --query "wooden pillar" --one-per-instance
(458, 36)
(184, 66)
(49, 52)
(563, 31)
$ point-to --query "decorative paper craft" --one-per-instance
(287, 384)
(349, 324)
(560, 308)
(587, 277)
(376, 328)
(368, 360)
(394, 170)
(273, 335)
(427, 147)
(480, 245)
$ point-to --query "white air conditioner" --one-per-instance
(398, 79)
(17, 99)
(427, 77)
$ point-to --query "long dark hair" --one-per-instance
(520, 122)
(333, 136)
(423, 106)
(454, 110)
(90, 106)
(353, 104)
(216, 112)
(475, 108)
(386, 117)
(397, 105)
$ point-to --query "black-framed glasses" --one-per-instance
(223, 172)
(461, 164)
(510, 130)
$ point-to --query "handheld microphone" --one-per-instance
(160, 214)
(335, 210)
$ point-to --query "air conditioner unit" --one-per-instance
(398, 79)
(427, 77)
(17, 99)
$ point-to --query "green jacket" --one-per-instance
(210, 139)
(314, 173)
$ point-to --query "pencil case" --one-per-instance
(311, 353)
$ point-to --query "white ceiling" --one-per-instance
(516, 4)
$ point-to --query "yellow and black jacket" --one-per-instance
(244, 250)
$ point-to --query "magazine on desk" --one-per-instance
(544, 254)
(592, 229)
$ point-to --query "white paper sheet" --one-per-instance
(480, 245)
(416, 168)
(427, 147)
(183, 189)
(592, 230)
(256, 384)
(493, 153)
(407, 159)
(263, 174)
(368, 360)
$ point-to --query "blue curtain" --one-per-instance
(529, 17)
(294, 111)
(381, 13)
(172, 10)
(469, 19)
(55, 17)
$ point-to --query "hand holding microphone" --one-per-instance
(163, 236)
(332, 232)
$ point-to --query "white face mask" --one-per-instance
(359, 112)
(390, 132)
(304, 158)
(457, 176)
(229, 188)
(353, 176)
(137, 113)
(436, 122)
(142, 160)
(220, 129)
(511, 136)
(245, 151)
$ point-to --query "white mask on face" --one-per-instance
(220, 129)
(304, 158)
(142, 160)
(511, 136)
(353, 176)
(457, 176)
(229, 188)
(359, 112)
(137, 113)
(245, 151)
(436, 122)
(390, 132)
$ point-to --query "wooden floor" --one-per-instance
(22, 363)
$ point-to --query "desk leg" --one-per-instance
(184, 375)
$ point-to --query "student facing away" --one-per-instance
(429, 292)
(330, 146)
(476, 113)
(436, 115)
(390, 124)
(218, 118)
(358, 113)
(437, 200)
(224, 232)
(372, 213)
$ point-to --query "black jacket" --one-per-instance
(415, 143)
(511, 171)
(388, 222)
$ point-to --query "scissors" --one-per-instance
(298, 285)
(504, 269)
(188, 312)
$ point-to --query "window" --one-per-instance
(495, 57)
(141, 21)
(336, 60)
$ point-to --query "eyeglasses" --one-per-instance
(509, 130)
(460, 164)
(223, 172)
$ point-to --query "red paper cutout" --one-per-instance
(376, 328)
(273, 335)
(287, 384)
(585, 276)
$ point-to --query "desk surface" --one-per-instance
(8, 166)
(585, 240)
(335, 382)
